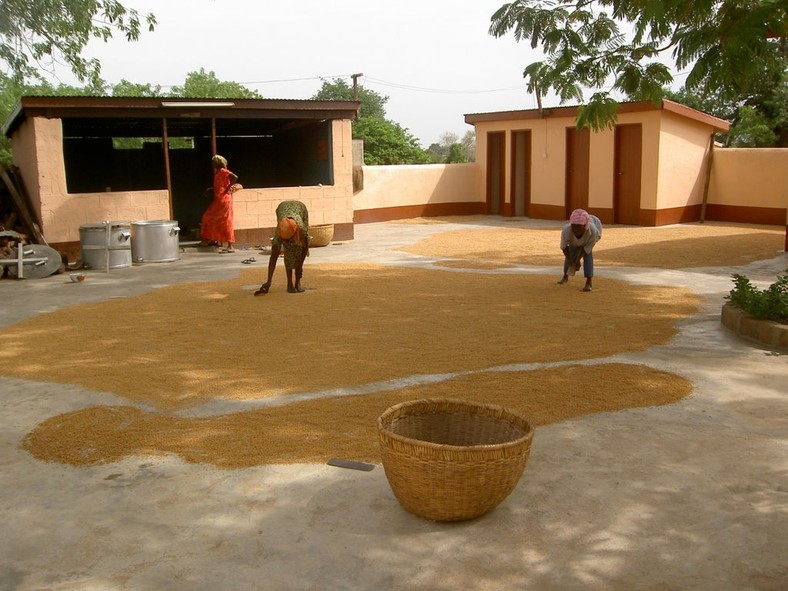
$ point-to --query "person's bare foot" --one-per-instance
(587, 287)
(263, 289)
(296, 289)
(563, 280)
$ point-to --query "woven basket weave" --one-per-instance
(321, 235)
(450, 460)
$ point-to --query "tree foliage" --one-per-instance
(451, 149)
(385, 142)
(615, 46)
(197, 85)
(36, 34)
(758, 120)
(372, 103)
(204, 84)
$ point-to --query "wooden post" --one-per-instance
(21, 206)
(707, 181)
(165, 139)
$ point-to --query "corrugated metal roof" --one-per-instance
(172, 107)
(571, 111)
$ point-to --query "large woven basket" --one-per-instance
(450, 460)
(321, 235)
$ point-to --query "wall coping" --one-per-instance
(767, 332)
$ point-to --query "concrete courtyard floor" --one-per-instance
(692, 495)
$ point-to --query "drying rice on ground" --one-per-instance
(666, 247)
(313, 431)
(184, 345)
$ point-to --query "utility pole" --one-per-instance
(355, 90)
(355, 85)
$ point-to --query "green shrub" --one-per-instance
(770, 303)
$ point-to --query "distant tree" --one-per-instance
(439, 151)
(456, 155)
(450, 149)
(758, 118)
(752, 130)
(126, 88)
(12, 90)
(36, 34)
(726, 45)
(468, 144)
(436, 153)
(204, 84)
(386, 142)
(372, 103)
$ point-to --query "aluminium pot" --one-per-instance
(155, 241)
(105, 245)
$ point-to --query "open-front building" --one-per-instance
(86, 159)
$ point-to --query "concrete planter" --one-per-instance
(768, 332)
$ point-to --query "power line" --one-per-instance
(297, 79)
(439, 90)
(378, 82)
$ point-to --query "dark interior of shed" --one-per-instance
(111, 155)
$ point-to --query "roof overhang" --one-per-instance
(176, 108)
(572, 111)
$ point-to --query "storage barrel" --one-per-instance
(155, 241)
(105, 245)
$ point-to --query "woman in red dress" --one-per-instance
(217, 221)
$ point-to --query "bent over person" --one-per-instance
(578, 238)
(292, 236)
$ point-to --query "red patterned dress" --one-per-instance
(217, 221)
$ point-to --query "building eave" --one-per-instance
(572, 112)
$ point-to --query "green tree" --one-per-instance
(372, 103)
(726, 45)
(386, 142)
(450, 149)
(204, 84)
(439, 151)
(752, 130)
(456, 155)
(36, 34)
(131, 89)
(468, 144)
(12, 90)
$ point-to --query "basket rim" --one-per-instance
(383, 430)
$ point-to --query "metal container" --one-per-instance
(155, 241)
(105, 245)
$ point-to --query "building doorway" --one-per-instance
(521, 173)
(578, 142)
(628, 162)
(496, 188)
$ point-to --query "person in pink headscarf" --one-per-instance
(578, 238)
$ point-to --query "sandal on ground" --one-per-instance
(248, 261)
(226, 250)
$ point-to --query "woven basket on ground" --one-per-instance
(321, 235)
(450, 460)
